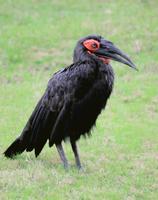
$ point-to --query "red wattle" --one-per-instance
(105, 60)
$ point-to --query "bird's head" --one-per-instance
(97, 47)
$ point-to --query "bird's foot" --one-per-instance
(80, 169)
(66, 166)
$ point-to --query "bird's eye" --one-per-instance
(94, 46)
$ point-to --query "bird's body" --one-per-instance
(70, 105)
(83, 89)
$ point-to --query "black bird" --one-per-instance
(73, 99)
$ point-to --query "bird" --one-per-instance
(73, 99)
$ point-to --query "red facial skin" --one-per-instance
(92, 46)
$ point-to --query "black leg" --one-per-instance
(77, 158)
(62, 155)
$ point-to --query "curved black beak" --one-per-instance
(108, 50)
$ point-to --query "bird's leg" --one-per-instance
(62, 155)
(75, 150)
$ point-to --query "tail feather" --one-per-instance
(16, 147)
(35, 133)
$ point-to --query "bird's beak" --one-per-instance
(108, 50)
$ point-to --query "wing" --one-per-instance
(71, 86)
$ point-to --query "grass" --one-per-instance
(121, 158)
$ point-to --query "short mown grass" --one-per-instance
(121, 158)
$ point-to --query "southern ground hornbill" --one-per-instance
(73, 99)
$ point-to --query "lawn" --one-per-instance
(121, 158)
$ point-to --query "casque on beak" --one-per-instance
(108, 50)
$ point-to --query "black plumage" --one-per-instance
(73, 99)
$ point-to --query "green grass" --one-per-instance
(121, 158)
